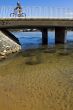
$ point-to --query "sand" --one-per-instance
(45, 84)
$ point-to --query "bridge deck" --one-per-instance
(35, 22)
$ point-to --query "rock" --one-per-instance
(7, 45)
(2, 57)
(2, 54)
(4, 51)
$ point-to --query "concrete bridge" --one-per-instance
(38, 18)
(43, 24)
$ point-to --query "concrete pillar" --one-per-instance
(44, 36)
(59, 35)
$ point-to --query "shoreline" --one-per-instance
(7, 46)
(6, 55)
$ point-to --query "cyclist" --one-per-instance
(18, 10)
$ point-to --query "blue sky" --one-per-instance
(51, 3)
(31, 11)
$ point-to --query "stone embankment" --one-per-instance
(7, 46)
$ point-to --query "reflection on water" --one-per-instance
(32, 39)
(38, 79)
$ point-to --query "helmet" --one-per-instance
(18, 3)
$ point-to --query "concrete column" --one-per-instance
(44, 36)
(59, 35)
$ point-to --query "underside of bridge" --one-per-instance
(59, 35)
(42, 24)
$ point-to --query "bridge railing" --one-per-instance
(38, 12)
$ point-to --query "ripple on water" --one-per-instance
(46, 84)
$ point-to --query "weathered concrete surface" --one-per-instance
(37, 22)
(7, 45)
(10, 35)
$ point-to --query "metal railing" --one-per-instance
(38, 12)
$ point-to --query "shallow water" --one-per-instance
(37, 79)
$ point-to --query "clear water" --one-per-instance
(38, 78)
(34, 39)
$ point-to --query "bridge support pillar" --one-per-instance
(44, 36)
(59, 35)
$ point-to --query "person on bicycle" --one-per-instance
(18, 10)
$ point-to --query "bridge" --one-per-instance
(38, 18)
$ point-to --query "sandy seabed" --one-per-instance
(45, 85)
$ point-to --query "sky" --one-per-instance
(51, 3)
(56, 5)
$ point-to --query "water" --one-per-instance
(32, 39)
(38, 78)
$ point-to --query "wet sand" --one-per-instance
(37, 82)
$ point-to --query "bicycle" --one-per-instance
(18, 15)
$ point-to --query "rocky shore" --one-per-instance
(7, 46)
